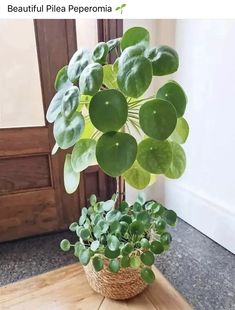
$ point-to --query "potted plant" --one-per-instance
(117, 245)
(99, 110)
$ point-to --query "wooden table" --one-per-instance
(67, 289)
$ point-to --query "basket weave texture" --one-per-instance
(124, 284)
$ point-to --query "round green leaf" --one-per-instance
(70, 101)
(78, 247)
(123, 206)
(67, 132)
(97, 231)
(108, 110)
(113, 43)
(160, 225)
(141, 198)
(61, 80)
(84, 256)
(135, 261)
(175, 94)
(134, 74)
(123, 228)
(85, 234)
(111, 254)
(77, 64)
(156, 247)
(126, 218)
(178, 163)
(82, 219)
(95, 218)
(73, 226)
(180, 134)
(100, 53)
(54, 108)
(103, 225)
(115, 227)
(157, 209)
(143, 217)
(114, 265)
(116, 152)
(95, 245)
(113, 242)
(97, 263)
(55, 149)
(166, 239)
(113, 215)
(91, 79)
(125, 261)
(108, 205)
(71, 178)
(133, 36)
(78, 230)
(93, 200)
(84, 211)
(137, 207)
(157, 118)
(147, 275)
(164, 60)
(154, 156)
(110, 77)
(127, 249)
(83, 154)
(137, 177)
(147, 258)
(144, 243)
(170, 217)
(65, 245)
(136, 228)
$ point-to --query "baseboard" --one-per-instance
(212, 220)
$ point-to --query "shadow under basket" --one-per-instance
(124, 284)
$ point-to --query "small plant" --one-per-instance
(120, 8)
(126, 236)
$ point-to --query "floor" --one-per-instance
(201, 270)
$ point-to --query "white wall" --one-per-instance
(205, 195)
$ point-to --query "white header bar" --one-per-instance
(108, 9)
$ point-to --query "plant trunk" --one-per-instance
(120, 190)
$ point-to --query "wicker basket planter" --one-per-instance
(124, 284)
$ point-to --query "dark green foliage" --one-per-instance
(125, 235)
(100, 108)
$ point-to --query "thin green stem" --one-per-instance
(140, 100)
(135, 126)
(133, 116)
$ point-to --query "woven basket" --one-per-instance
(121, 285)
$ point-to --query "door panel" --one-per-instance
(28, 213)
(32, 196)
(24, 141)
(23, 173)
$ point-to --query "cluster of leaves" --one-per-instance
(127, 236)
(98, 106)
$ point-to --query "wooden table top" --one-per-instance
(67, 289)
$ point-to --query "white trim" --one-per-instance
(215, 221)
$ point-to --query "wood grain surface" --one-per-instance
(67, 289)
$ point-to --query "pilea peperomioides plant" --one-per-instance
(126, 236)
(99, 108)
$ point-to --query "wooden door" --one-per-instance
(32, 196)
